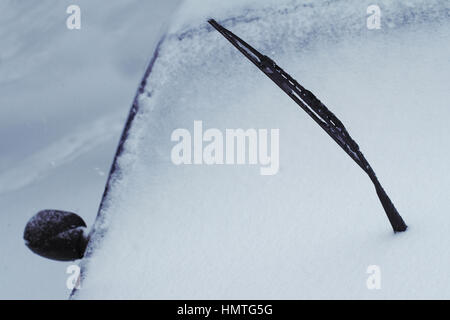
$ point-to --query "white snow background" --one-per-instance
(64, 96)
(312, 230)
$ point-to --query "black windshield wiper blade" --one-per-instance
(318, 112)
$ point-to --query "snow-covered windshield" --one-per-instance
(301, 220)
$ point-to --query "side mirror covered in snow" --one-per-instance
(56, 235)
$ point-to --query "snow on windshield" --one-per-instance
(313, 225)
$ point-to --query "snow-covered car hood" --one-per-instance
(312, 229)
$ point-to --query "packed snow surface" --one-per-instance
(313, 229)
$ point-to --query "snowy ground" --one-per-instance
(63, 98)
(312, 230)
